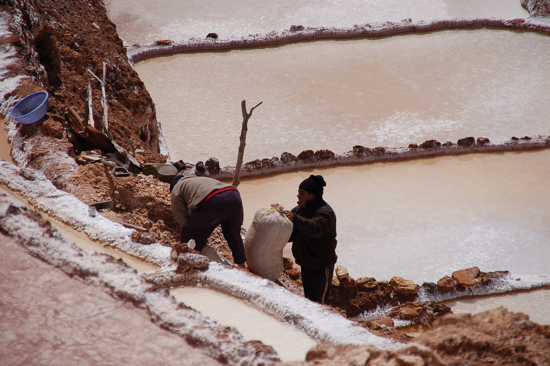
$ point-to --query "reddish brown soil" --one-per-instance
(58, 42)
(495, 337)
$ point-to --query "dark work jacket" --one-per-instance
(314, 235)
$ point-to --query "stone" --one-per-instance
(306, 155)
(287, 157)
(179, 165)
(368, 283)
(192, 260)
(446, 284)
(163, 172)
(406, 311)
(466, 141)
(342, 273)
(430, 144)
(359, 150)
(466, 277)
(296, 28)
(404, 286)
(293, 273)
(287, 263)
(335, 281)
(212, 165)
(483, 141)
(200, 169)
(324, 154)
(430, 287)
(384, 322)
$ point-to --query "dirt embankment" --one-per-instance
(60, 44)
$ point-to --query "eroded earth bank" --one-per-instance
(64, 47)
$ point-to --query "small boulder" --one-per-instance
(293, 273)
(446, 284)
(359, 150)
(483, 141)
(163, 172)
(192, 260)
(406, 311)
(324, 155)
(368, 283)
(306, 155)
(179, 165)
(200, 169)
(430, 144)
(430, 287)
(466, 141)
(404, 286)
(287, 157)
(342, 273)
(213, 165)
(384, 322)
(287, 263)
(466, 277)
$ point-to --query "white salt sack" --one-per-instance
(264, 243)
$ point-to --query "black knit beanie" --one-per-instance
(314, 185)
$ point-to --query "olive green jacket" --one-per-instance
(188, 193)
(314, 235)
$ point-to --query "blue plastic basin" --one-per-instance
(31, 109)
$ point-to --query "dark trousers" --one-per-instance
(225, 209)
(317, 284)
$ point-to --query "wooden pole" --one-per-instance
(244, 129)
(90, 105)
(105, 103)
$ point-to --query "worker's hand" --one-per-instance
(289, 214)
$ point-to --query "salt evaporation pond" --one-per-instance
(422, 219)
(337, 94)
(482, 83)
(533, 303)
(290, 343)
(144, 21)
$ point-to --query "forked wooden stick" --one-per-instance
(246, 117)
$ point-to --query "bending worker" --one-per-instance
(314, 239)
(200, 204)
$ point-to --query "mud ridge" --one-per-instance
(295, 34)
(360, 155)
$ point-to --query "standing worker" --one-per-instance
(314, 239)
(200, 204)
